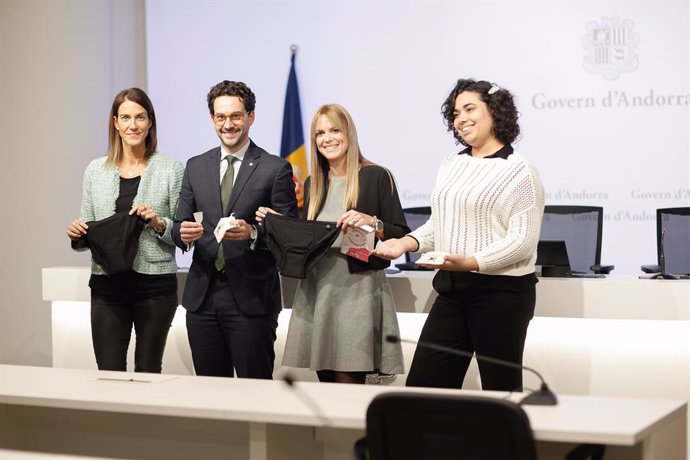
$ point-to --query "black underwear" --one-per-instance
(297, 244)
(114, 241)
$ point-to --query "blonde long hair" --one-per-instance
(354, 160)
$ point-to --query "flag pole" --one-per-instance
(292, 146)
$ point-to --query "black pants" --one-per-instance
(225, 341)
(478, 313)
(112, 317)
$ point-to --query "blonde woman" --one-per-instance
(344, 308)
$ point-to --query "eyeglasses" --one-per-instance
(235, 117)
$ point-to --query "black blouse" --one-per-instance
(378, 196)
(128, 191)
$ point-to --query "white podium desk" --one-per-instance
(180, 417)
(605, 337)
(614, 297)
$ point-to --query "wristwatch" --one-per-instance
(378, 225)
(160, 231)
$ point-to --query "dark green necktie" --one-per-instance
(225, 193)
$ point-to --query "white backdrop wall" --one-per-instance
(390, 63)
(614, 135)
(61, 64)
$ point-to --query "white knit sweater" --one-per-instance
(489, 208)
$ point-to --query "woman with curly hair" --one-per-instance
(487, 207)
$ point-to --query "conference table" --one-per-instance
(607, 337)
(614, 337)
(148, 416)
(613, 297)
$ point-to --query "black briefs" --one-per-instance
(114, 241)
(297, 244)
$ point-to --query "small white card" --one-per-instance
(225, 224)
(358, 242)
(432, 258)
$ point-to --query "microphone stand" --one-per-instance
(542, 397)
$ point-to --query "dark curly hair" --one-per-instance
(501, 107)
(232, 88)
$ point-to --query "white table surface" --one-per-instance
(582, 419)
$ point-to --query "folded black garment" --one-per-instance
(297, 244)
(114, 241)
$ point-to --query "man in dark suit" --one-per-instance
(232, 295)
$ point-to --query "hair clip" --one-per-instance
(494, 89)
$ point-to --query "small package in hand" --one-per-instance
(225, 224)
(433, 258)
(358, 242)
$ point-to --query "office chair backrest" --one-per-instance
(581, 229)
(415, 218)
(552, 256)
(416, 426)
(674, 225)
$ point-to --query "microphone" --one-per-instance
(542, 397)
(308, 401)
(315, 409)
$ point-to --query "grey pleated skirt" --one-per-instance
(340, 321)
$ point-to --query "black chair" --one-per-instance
(552, 257)
(672, 243)
(415, 218)
(581, 229)
(415, 426)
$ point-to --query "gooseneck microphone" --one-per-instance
(313, 406)
(315, 409)
(542, 397)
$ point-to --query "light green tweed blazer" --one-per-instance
(159, 186)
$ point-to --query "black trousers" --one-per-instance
(112, 318)
(225, 341)
(475, 313)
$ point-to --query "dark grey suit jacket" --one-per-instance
(263, 180)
